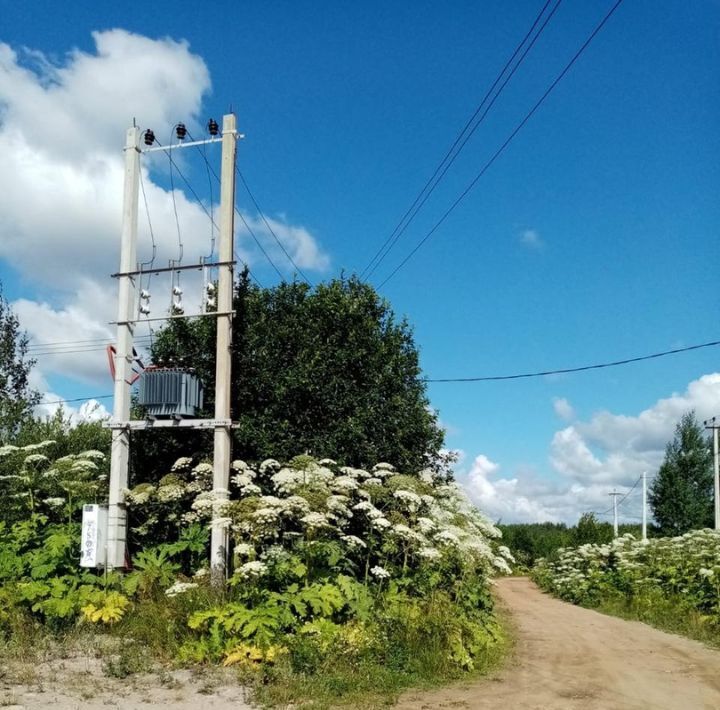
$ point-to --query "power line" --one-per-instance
(247, 226)
(624, 498)
(177, 220)
(61, 344)
(76, 399)
(567, 370)
(270, 229)
(200, 202)
(452, 153)
(257, 241)
(507, 142)
(150, 227)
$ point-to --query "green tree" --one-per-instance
(329, 371)
(590, 530)
(681, 495)
(17, 398)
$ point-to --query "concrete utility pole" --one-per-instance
(223, 438)
(712, 424)
(644, 505)
(614, 495)
(120, 451)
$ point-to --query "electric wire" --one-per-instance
(507, 142)
(257, 241)
(619, 362)
(68, 342)
(460, 142)
(177, 220)
(247, 226)
(195, 195)
(150, 263)
(270, 229)
(584, 368)
(624, 498)
(76, 399)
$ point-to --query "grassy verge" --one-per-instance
(371, 683)
(669, 614)
(414, 658)
(417, 661)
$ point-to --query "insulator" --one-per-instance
(210, 302)
(178, 307)
(210, 287)
(144, 294)
(213, 128)
(145, 310)
(149, 137)
(180, 131)
(177, 291)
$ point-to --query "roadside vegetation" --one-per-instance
(671, 583)
(672, 580)
(530, 542)
(349, 580)
(348, 584)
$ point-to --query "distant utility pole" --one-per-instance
(712, 424)
(614, 495)
(644, 505)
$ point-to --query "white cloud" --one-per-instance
(89, 411)
(593, 458)
(531, 239)
(297, 241)
(563, 408)
(507, 499)
(62, 128)
(617, 448)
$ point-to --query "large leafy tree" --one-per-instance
(328, 371)
(17, 398)
(681, 495)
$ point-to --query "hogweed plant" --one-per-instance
(680, 575)
(315, 541)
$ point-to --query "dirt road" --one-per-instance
(569, 657)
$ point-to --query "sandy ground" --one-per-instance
(78, 683)
(565, 658)
(569, 657)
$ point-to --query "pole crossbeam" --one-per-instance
(175, 146)
(164, 269)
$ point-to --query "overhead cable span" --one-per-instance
(583, 368)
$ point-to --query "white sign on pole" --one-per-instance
(94, 525)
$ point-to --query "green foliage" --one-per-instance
(17, 398)
(329, 371)
(590, 530)
(658, 580)
(33, 479)
(153, 571)
(531, 541)
(681, 496)
(341, 576)
(70, 437)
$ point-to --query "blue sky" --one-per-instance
(588, 240)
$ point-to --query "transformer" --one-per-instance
(170, 393)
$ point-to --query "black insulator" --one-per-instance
(149, 137)
(180, 131)
(213, 128)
